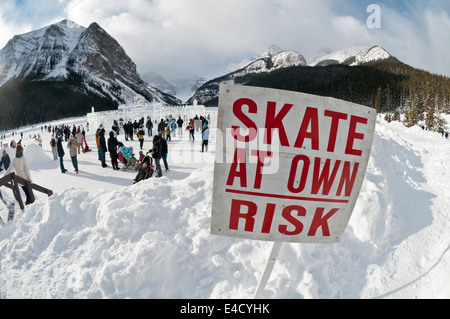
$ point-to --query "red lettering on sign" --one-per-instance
(353, 135)
(268, 218)
(239, 160)
(262, 155)
(336, 117)
(298, 226)
(321, 221)
(237, 111)
(324, 179)
(348, 180)
(236, 214)
(275, 121)
(311, 119)
(293, 174)
(246, 211)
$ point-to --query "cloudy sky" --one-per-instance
(204, 38)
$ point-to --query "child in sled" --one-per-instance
(145, 170)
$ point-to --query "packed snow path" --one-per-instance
(99, 236)
(418, 267)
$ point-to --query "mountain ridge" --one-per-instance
(275, 59)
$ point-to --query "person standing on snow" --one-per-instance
(149, 126)
(19, 163)
(80, 138)
(140, 135)
(102, 149)
(164, 152)
(112, 149)
(5, 161)
(180, 126)
(72, 145)
(162, 128)
(156, 154)
(61, 153)
(205, 137)
(54, 149)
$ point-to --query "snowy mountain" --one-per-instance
(82, 64)
(277, 59)
(271, 60)
(353, 56)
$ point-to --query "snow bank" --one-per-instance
(99, 236)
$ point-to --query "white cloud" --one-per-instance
(175, 37)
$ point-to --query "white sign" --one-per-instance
(292, 164)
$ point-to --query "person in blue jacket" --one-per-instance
(5, 161)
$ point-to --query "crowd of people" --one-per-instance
(146, 164)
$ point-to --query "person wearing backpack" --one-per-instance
(54, 149)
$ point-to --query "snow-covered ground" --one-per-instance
(100, 236)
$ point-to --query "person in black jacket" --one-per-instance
(164, 152)
(61, 153)
(112, 149)
(180, 126)
(102, 149)
(156, 154)
(162, 128)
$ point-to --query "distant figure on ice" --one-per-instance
(19, 163)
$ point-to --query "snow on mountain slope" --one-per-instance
(355, 55)
(44, 51)
(338, 56)
(99, 236)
